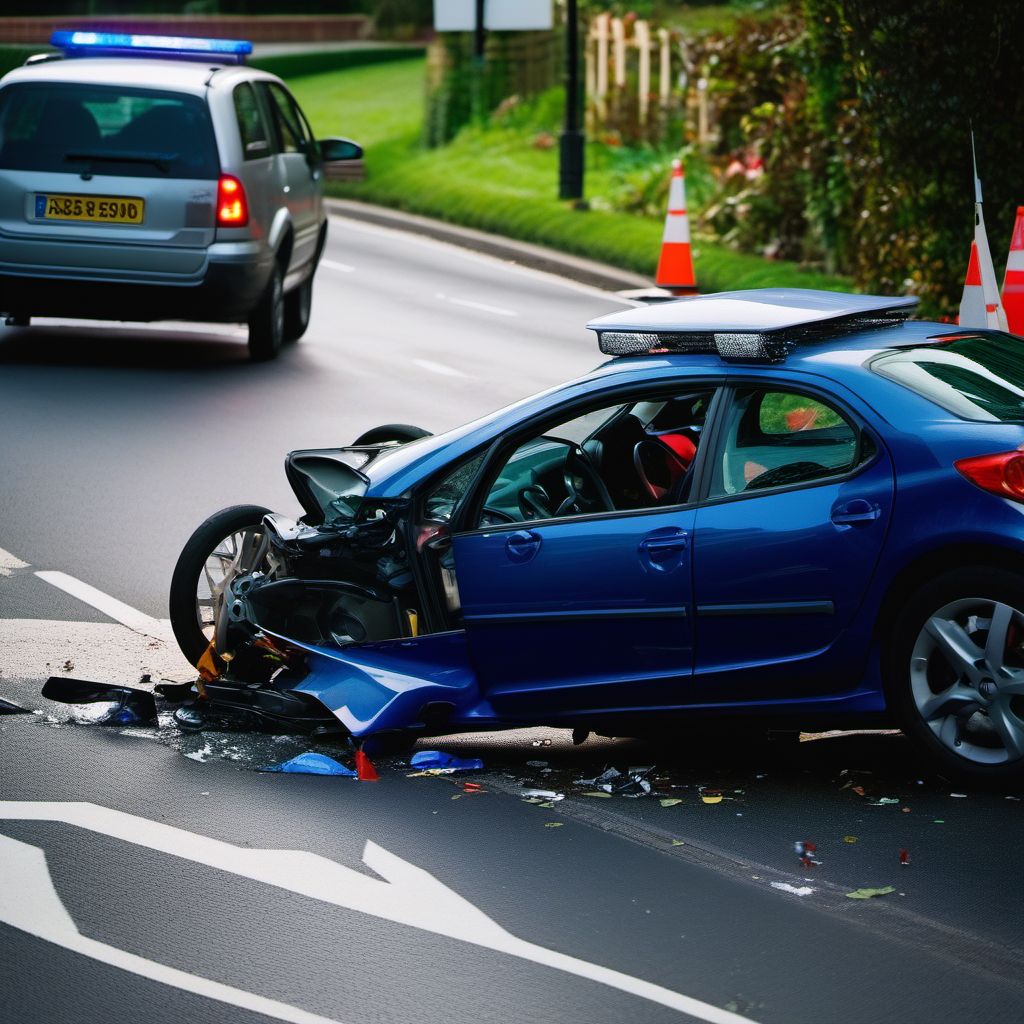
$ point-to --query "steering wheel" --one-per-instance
(581, 477)
(535, 502)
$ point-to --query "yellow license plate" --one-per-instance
(99, 209)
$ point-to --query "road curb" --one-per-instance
(525, 254)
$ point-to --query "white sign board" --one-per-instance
(499, 15)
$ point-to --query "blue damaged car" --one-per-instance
(797, 508)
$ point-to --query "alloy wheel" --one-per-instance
(967, 679)
(238, 553)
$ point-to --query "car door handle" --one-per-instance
(665, 542)
(858, 510)
(522, 545)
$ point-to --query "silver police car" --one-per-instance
(156, 178)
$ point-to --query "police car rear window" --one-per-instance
(71, 128)
(975, 377)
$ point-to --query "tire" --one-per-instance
(298, 304)
(401, 432)
(959, 697)
(266, 322)
(185, 582)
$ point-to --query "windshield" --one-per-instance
(57, 126)
(975, 377)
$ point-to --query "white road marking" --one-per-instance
(30, 903)
(402, 893)
(470, 304)
(334, 265)
(445, 371)
(110, 606)
(507, 266)
(9, 563)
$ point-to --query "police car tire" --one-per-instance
(185, 579)
(298, 304)
(266, 322)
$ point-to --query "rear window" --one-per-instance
(975, 377)
(146, 133)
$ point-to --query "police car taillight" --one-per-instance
(232, 208)
(1001, 474)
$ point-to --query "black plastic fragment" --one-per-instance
(8, 707)
(175, 692)
(135, 707)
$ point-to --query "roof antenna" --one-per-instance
(974, 161)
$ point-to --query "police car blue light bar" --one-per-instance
(760, 325)
(77, 43)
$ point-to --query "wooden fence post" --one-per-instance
(642, 37)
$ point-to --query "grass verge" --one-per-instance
(503, 178)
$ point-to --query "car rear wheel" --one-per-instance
(955, 673)
(230, 543)
(297, 306)
(400, 432)
(266, 322)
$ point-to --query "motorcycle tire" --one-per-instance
(182, 600)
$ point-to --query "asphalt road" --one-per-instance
(115, 441)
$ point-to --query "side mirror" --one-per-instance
(332, 150)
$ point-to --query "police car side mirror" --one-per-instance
(332, 150)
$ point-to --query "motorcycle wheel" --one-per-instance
(400, 432)
(221, 547)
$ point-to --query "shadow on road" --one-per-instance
(115, 345)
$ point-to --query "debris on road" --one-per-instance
(867, 894)
(807, 852)
(849, 839)
(795, 890)
(959, 796)
(473, 787)
(711, 796)
(670, 801)
(553, 824)
(542, 794)
(885, 801)
(449, 762)
(905, 857)
(311, 764)
(125, 705)
(8, 707)
(365, 770)
(596, 793)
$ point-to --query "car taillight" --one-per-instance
(1001, 473)
(232, 209)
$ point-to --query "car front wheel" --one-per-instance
(955, 673)
(230, 543)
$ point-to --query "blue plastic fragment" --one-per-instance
(439, 759)
(311, 764)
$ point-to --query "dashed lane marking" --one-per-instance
(344, 268)
(482, 306)
(444, 371)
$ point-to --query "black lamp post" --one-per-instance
(570, 167)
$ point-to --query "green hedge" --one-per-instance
(297, 65)
(12, 57)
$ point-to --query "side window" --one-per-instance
(289, 124)
(780, 438)
(616, 458)
(251, 126)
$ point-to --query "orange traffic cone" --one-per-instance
(675, 265)
(1013, 280)
(972, 303)
(365, 771)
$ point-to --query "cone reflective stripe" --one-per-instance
(972, 303)
(675, 264)
(1013, 280)
(995, 317)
